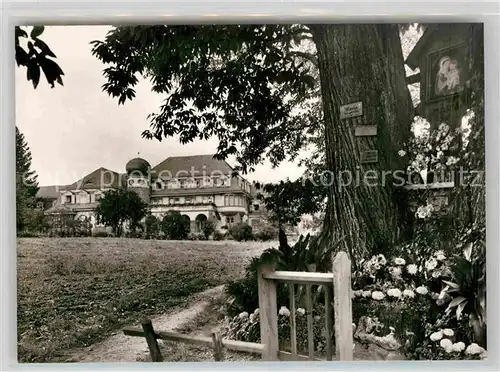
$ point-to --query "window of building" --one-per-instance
(68, 198)
(229, 220)
(159, 185)
(189, 200)
(256, 207)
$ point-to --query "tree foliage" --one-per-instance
(289, 200)
(37, 57)
(239, 83)
(175, 226)
(120, 206)
(26, 185)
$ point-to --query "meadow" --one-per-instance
(75, 292)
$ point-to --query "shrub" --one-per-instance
(208, 228)
(218, 235)
(241, 232)
(100, 234)
(245, 326)
(268, 232)
(175, 226)
(152, 225)
(196, 236)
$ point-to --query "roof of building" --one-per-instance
(49, 192)
(192, 166)
(100, 178)
(137, 164)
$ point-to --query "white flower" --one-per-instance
(377, 295)
(447, 345)
(440, 257)
(443, 128)
(412, 269)
(256, 311)
(458, 347)
(436, 336)
(394, 292)
(284, 311)
(252, 318)
(436, 273)
(399, 261)
(408, 293)
(422, 290)
(367, 294)
(396, 272)
(358, 293)
(431, 264)
(473, 349)
(243, 315)
(401, 153)
(301, 311)
(448, 332)
(381, 259)
(451, 160)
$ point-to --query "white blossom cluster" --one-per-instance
(444, 337)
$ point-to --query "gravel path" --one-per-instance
(125, 349)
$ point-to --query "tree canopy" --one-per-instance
(242, 84)
(119, 206)
(37, 57)
(26, 183)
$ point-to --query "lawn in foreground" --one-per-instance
(73, 292)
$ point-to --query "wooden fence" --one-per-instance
(339, 280)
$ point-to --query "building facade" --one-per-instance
(200, 187)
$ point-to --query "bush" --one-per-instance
(241, 232)
(218, 236)
(208, 229)
(245, 326)
(100, 234)
(268, 232)
(152, 225)
(175, 226)
(196, 236)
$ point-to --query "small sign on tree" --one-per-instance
(351, 110)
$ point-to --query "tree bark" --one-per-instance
(363, 63)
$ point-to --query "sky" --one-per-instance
(75, 129)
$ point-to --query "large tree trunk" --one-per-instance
(364, 63)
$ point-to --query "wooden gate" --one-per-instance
(338, 283)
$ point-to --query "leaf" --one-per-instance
(37, 31)
(460, 308)
(33, 72)
(468, 252)
(451, 284)
(456, 301)
(22, 57)
(44, 48)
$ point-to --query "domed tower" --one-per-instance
(138, 177)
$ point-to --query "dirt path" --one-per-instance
(125, 349)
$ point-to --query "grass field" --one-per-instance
(75, 292)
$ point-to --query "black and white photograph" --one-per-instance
(250, 192)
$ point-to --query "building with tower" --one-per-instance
(200, 187)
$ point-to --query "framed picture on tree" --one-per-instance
(447, 72)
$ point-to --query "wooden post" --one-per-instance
(293, 319)
(328, 322)
(310, 331)
(342, 306)
(268, 313)
(218, 356)
(149, 333)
